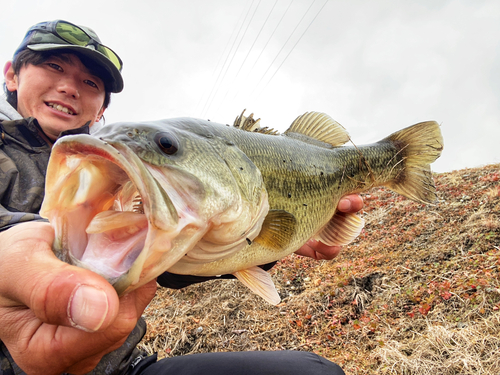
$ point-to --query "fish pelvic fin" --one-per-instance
(420, 145)
(277, 230)
(317, 126)
(342, 229)
(259, 282)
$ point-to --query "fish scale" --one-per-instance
(218, 199)
(316, 184)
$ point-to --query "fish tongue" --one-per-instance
(126, 223)
(115, 241)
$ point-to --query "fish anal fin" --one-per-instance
(259, 282)
(277, 230)
(342, 229)
(316, 126)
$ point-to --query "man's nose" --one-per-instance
(69, 87)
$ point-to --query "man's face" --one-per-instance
(60, 93)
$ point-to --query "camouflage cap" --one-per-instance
(60, 34)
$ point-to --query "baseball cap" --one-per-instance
(59, 34)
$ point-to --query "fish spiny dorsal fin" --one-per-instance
(320, 127)
(342, 229)
(277, 230)
(250, 125)
(259, 282)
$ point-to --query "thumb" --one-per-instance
(56, 292)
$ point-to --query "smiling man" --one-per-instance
(56, 318)
(61, 93)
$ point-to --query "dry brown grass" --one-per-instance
(417, 293)
(446, 350)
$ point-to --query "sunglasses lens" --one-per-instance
(72, 34)
(111, 56)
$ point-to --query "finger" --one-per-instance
(56, 292)
(144, 295)
(318, 250)
(325, 251)
(307, 251)
(85, 366)
(41, 348)
(73, 350)
(350, 203)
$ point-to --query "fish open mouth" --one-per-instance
(128, 208)
(99, 199)
(116, 235)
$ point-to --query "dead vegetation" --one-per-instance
(417, 293)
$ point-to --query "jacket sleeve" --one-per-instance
(8, 179)
(8, 219)
(23, 162)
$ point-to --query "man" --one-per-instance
(56, 318)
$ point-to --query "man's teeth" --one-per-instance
(61, 108)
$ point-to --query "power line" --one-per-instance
(255, 40)
(216, 67)
(297, 42)
(267, 42)
(234, 54)
(272, 34)
(282, 47)
(225, 61)
(248, 53)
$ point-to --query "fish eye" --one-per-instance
(167, 143)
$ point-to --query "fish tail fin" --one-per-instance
(420, 145)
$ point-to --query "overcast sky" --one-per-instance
(374, 66)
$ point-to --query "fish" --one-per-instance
(195, 197)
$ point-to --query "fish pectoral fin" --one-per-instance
(320, 127)
(342, 229)
(259, 282)
(277, 230)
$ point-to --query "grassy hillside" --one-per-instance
(417, 293)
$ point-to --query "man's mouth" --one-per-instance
(60, 108)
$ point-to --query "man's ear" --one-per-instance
(99, 114)
(10, 77)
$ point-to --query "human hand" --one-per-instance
(55, 317)
(318, 250)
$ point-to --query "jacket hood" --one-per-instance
(7, 112)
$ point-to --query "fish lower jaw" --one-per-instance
(109, 273)
(110, 245)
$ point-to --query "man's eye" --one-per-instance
(91, 83)
(55, 66)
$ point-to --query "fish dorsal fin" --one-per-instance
(341, 230)
(320, 127)
(277, 230)
(249, 124)
(259, 282)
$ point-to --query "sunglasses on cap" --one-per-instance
(73, 35)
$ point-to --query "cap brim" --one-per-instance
(114, 79)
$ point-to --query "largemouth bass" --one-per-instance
(199, 198)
